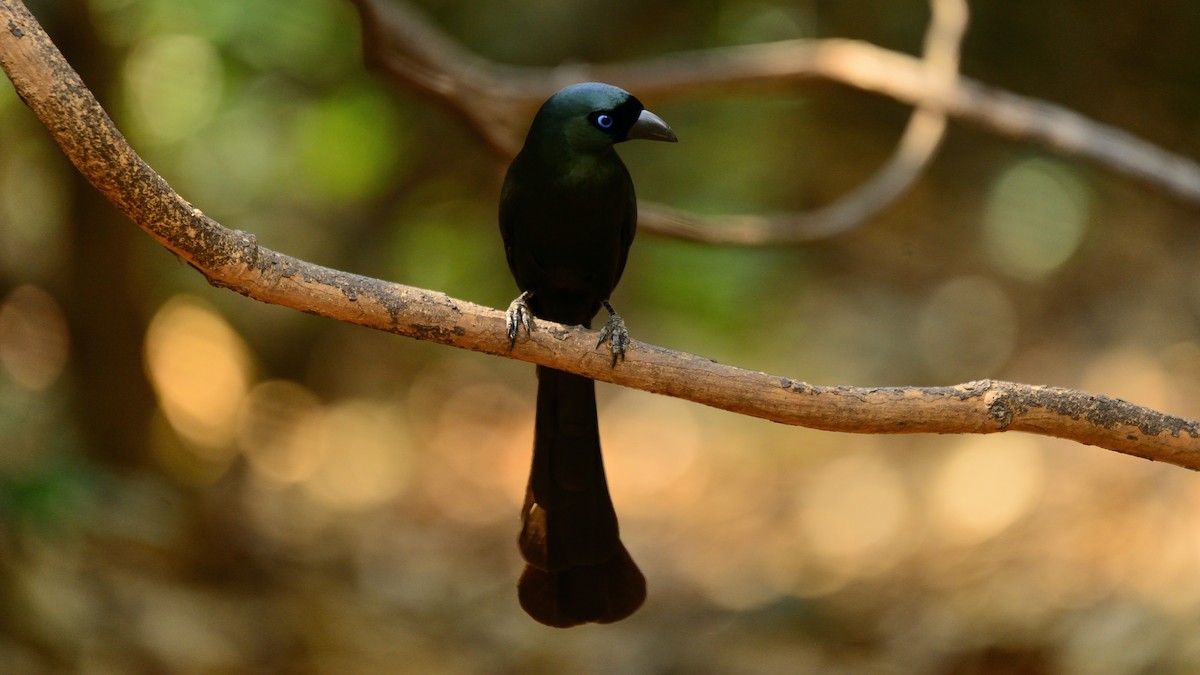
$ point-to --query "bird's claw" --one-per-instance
(518, 315)
(615, 333)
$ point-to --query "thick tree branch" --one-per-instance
(235, 260)
(496, 100)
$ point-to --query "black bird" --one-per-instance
(567, 215)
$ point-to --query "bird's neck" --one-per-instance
(579, 166)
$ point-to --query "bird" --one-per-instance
(568, 212)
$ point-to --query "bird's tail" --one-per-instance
(577, 570)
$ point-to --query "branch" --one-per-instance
(495, 100)
(234, 260)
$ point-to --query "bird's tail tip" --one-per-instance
(602, 593)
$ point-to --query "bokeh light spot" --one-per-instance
(478, 447)
(750, 22)
(200, 370)
(967, 329)
(650, 442)
(34, 202)
(174, 84)
(985, 486)
(853, 513)
(33, 337)
(276, 431)
(366, 459)
(1035, 218)
(348, 145)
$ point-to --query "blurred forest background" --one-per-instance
(193, 482)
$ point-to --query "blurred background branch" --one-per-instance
(495, 100)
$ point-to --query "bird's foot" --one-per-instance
(614, 333)
(518, 315)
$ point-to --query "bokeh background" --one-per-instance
(192, 482)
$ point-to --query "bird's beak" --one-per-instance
(651, 127)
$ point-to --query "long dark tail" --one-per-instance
(577, 570)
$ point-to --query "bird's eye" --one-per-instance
(604, 121)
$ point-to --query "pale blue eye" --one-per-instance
(604, 121)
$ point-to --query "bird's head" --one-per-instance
(591, 117)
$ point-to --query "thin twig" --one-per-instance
(235, 260)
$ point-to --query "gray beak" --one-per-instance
(650, 127)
